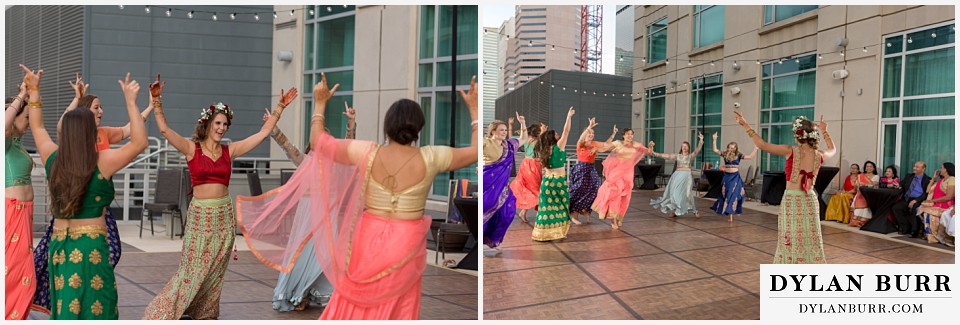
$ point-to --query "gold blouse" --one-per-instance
(412, 199)
(491, 151)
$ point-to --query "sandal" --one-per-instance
(302, 306)
(575, 219)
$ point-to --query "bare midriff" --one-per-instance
(396, 215)
(21, 193)
(554, 171)
(210, 191)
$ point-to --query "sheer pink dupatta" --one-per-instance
(324, 200)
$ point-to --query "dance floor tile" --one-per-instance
(133, 296)
(433, 308)
(519, 235)
(452, 284)
(769, 247)
(469, 301)
(246, 291)
(592, 231)
(642, 271)
(749, 281)
(535, 286)
(745, 233)
(432, 270)
(147, 274)
(255, 271)
(596, 307)
(860, 243)
(856, 259)
(600, 249)
(149, 259)
(130, 312)
(914, 255)
(710, 221)
(827, 230)
(726, 260)
(650, 227)
(699, 299)
(524, 257)
(685, 241)
(259, 310)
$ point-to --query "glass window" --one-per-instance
(707, 25)
(706, 108)
(788, 90)
(772, 14)
(657, 41)
(328, 48)
(437, 100)
(918, 124)
(427, 34)
(335, 42)
(656, 102)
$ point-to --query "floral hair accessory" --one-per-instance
(218, 108)
(800, 133)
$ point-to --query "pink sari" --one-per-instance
(375, 264)
(614, 194)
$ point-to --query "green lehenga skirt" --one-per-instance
(84, 285)
(553, 216)
(799, 241)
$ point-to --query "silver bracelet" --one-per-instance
(474, 123)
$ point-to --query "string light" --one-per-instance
(864, 49)
(712, 63)
(797, 61)
(819, 56)
(169, 12)
(146, 9)
(331, 9)
(121, 7)
(689, 63)
(934, 34)
(256, 17)
(274, 15)
(758, 62)
(214, 16)
(311, 12)
(553, 47)
(621, 58)
(233, 16)
(644, 59)
(910, 40)
(190, 15)
(668, 61)
(291, 13)
(841, 53)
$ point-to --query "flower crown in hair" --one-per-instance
(801, 134)
(218, 108)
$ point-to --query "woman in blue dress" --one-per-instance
(730, 202)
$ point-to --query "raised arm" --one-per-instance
(699, 145)
(831, 150)
(586, 131)
(289, 149)
(510, 127)
(776, 149)
(114, 160)
(244, 146)
(321, 95)
(608, 145)
(13, 110)
(79, 89)
(143, 115)
(753, 154)
(45, 145)
(566, 129)
(524, 137)
(184, 145)
(463, 157)
(715, 145)
(351, 115)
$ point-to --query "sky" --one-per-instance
(494, 15)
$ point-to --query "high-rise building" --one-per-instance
(506, 31)
(491, 74)
(379, 54)
(882, 77)
(547, 37)
(623, 66)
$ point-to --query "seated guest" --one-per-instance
(939, 198)
(890, 179)
(839, 207)
(869, 178)
(914, 191)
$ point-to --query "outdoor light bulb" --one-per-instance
(780, 62)
(329, 9)
(256, 17)
(910, 40)
(344, 6)
(574, 90)
(594, 93)
(734, 65)
(758, 62)
(819, 56)
(291, 12)
(214, 16)
(712, 64)
(233, 16)
(531, 43)
(541, 82)
(889, 45)
(668, 61)
(797, 60)
(190, 15)
(564, 88)
(864, 49)
(121, 7)
(311, 11)
(169, 12)
(146, 9)
(621, 58)
(553, 47)
(274, 15)
(841, 53)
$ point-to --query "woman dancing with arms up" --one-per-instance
(730, 202)
(526, 186)
(799, 239)
(84, 284)
(614, 194)
(195, 289)
(553, 218)
(18, 222)
(584, 180)
(365, 214)
(499, 204)
(678, 198)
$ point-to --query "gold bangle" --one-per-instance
(35, 104)
(157, 103)
(751, 133)
(319, 116)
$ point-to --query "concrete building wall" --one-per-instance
(850, 106)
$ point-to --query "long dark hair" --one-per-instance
(892, 168)
(203, 128)
(403, 121)
(72, 168)
(864, 171)
(534, 130)
(86, 101)
(545, 145)
(949, 167)
(808, 126)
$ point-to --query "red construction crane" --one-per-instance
(591, 38)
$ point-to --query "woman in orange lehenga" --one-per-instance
(18, 165)
(526, 186)
(364, 215)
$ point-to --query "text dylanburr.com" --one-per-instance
(856, 292)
